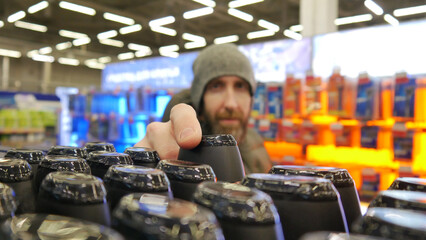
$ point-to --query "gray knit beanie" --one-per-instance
(216, 61)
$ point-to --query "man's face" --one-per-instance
(227, 106)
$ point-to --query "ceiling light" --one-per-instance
(292, 34)
(226, 39)
(92, 63)
(374, 7)
(208, 3)
(118, 18)
(191, 45)
(353, 19)
(68, 61)
(137, 47)
(81, 41)
(31, 26)
(260, 34)
(198, 12)
(296, 28)
(162, 21)
(38, 7)
(192, 37)
(105, 59)
(1, 23)
(31, 53)
(170, 54)
(125, 56)
(112, 42)
(43, 58)
(169, 51)
(71, 34)
(107, 34)
(16, 16)
(10, 53)
(164, 30)
(391, 20)
(45, 50)
(240, 3)
(143, 53)
(239, 14)
(63, 46)
(77, 8)
(409, 11)
(130, 29)
(268, 25)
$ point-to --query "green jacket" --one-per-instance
(252, 149)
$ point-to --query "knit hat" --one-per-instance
(216, 61)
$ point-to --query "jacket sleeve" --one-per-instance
(253, 152)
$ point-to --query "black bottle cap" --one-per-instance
(7, 202)
(31, 156)
(65, 163)
(218, 140)
(105, 159)
(67, 151)
(137, 178)
(400, 199)
(99, 146)
(409, 183)
(141, 155)
(392, 223)
(187, 171)
(14, 170)
(338, 176)
(234, 202)
(303, 188)
(71, 187)
(152, 214)
(337, 236)
(43, 226)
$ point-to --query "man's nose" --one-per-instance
(230, 99)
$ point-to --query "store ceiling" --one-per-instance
(284, 13)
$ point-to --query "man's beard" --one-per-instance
(210, 124)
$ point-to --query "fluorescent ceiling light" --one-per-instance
(16, 16)
(81, 41)
(43, 58)
(71, 34)
(118, 18)
(353, 19)
(63, 46)
(198, 12)
(260, 34)
(239, 14)
(192, 45)
(143, 53)
(31, 53)
(409, 11)
(170, 54)
(31, 26)
(240, 3)
(45, 50)
(192, 37)
(292, 34)
(164, 30)
(137, 47)
(162, 21)
(92, 63)
(68, 61)
(125, 56)
(374, 7)
(391, 20)
(112, 42)
(1, 23)
(296, 28)
(226, 39)
(77, 8)
(10, 53)
(169, 51)
(130, 29)
(105, 59)
(268, 25)
(107, 34)
(208, 3)
(38, 7)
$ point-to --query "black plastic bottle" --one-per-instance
(100, 161)
(142, 156)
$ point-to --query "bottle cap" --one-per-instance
(141, 155)
(103, 159)
(67, 151)
(31, 156)
(14, 170)
(99, 146)
(409, 183)
(400, 199)
(65, 163)
(218, 140)
(187, 171)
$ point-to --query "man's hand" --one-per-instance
(183, 130)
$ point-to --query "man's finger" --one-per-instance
(185, 125)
